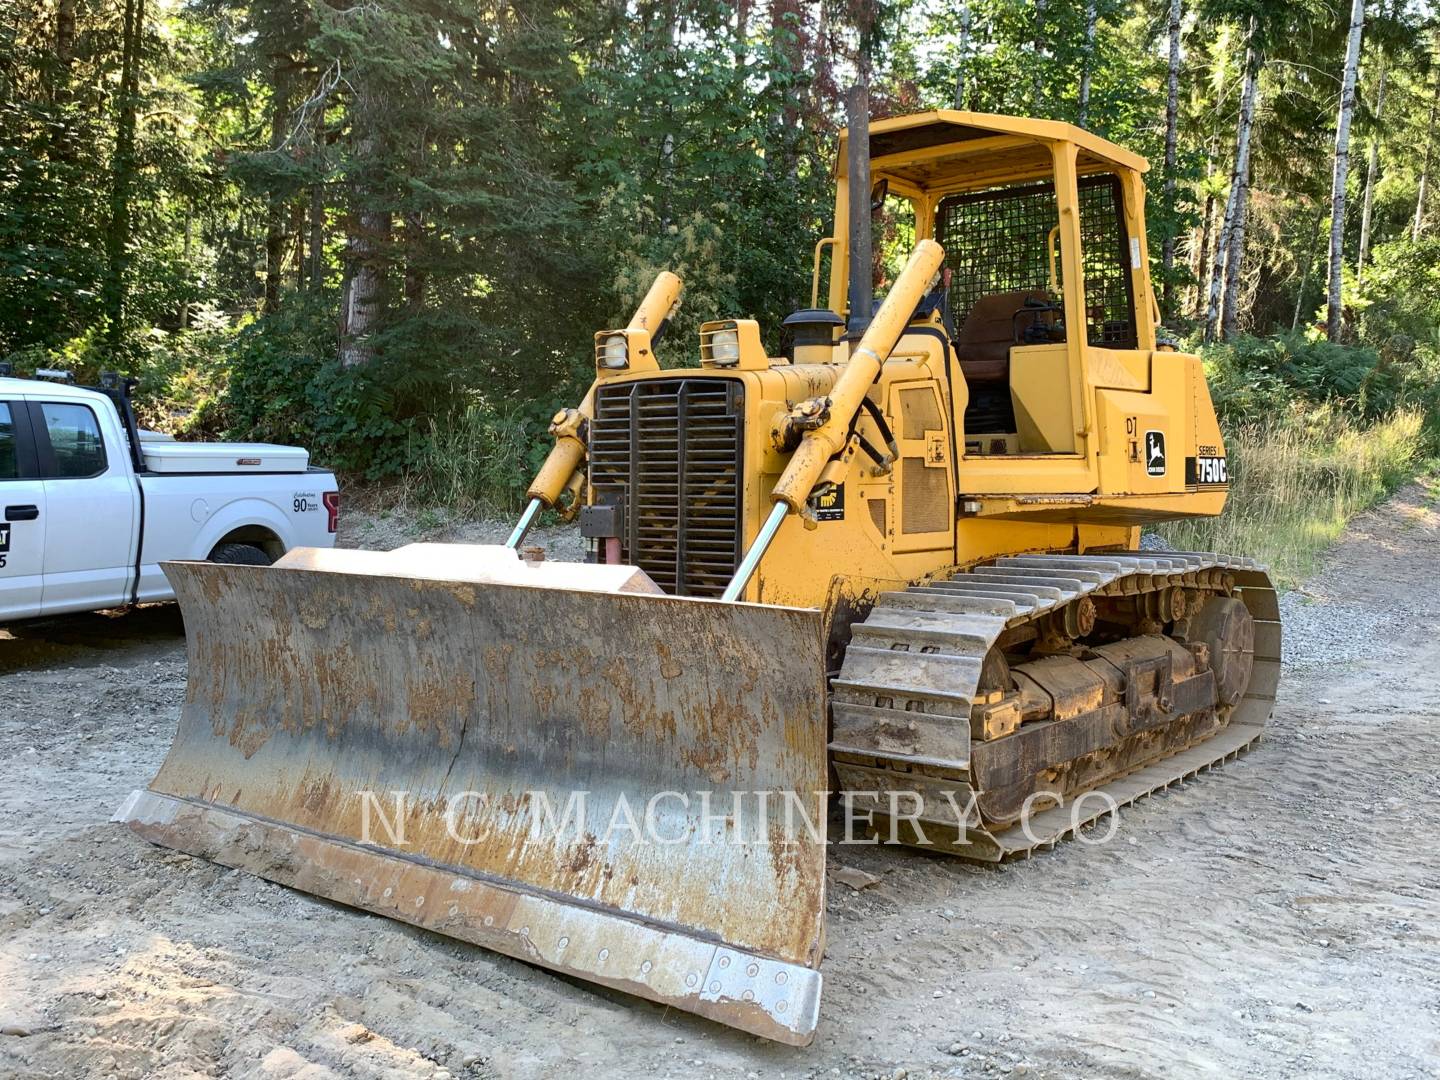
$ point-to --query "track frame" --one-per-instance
(915, 674)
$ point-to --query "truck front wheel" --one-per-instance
(240, 555)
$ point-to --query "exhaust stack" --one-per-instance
(857, 173)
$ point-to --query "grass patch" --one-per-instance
(476, 464)
(1295, 483)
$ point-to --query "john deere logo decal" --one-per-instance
(830, 505)
(1155, 453)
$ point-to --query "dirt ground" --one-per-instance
(1278, 918)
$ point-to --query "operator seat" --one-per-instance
(983, 347)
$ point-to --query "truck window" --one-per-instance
(9, 449)
(74, 439)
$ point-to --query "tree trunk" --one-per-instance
(1172, 114)
(274, 255)
(1215, 278)
(367, 245)
(122, 174)
(819, 65)
(1202, 258)
(866, 16)
(297, 239)
(365, 291)
(787, 43)
(275, 236)
(962, 64)
(1372, 172)
(1335, 312)
(1305, 277)
(1235, 239)
(416, 276)
(822, 90)
(667, 141)
(1199, 261)
(65, 34)
(316, 262)
(1223, 272)
(1235, 259)
(1037, 44)
(1425, 168)
(317, 235)
(58, 82)
(185, 260)
(742, 24)
(1082, 116)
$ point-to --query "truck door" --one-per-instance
(90, 497)
(22, 516)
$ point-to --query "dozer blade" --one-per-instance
(553, 773)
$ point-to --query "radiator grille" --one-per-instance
(670, 449)
(924, 497)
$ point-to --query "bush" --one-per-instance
(379, 420)
(1253, 378)
(183, 377)
(285, 386)
(181, 373)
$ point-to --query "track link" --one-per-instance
(912, 674)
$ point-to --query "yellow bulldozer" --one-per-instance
(892, 577)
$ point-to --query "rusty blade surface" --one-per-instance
(553, 774)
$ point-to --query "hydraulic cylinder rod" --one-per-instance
(532, 511)
(757, 550)
(819, 445)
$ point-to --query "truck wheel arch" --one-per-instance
(256, 536)
(246, 521)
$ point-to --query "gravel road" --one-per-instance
(1278, 918)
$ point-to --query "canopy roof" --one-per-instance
(938, 148)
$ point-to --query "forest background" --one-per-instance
(388, 229)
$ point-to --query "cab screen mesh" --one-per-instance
(996, 241)
(1109, 305)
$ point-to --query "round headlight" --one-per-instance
(614, 351)
(725, 348)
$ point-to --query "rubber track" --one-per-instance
(902, 698)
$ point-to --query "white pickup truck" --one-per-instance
(90, 505)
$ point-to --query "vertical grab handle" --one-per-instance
(820, 246)
(1050, 239)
